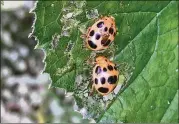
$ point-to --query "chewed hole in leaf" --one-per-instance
(69, 47)
(140, 47)
(97, 104)
(92, 14)
(55, 40)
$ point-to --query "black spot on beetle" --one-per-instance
(111, 30)
(91, 33)
(112, 79)
(115, 67)
(110, 67)
(115, 78)
(98, 36)
(91, 44)
(103, 80)
(106, 29)
(104, 69)
(100, 24)
(98, 70)
(106, 43)
(96, 81)
(103, 90)
(103, 42)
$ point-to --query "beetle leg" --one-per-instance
(91, 62)
(101, 16)
(92, 90)
(84, 36)
(84, 45)
(88, 30)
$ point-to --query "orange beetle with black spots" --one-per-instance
(100, 35)
(105, 76)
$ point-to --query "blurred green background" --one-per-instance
(25, 97)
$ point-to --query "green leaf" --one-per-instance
(171, 114)
(145, 47)
(155, 78)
